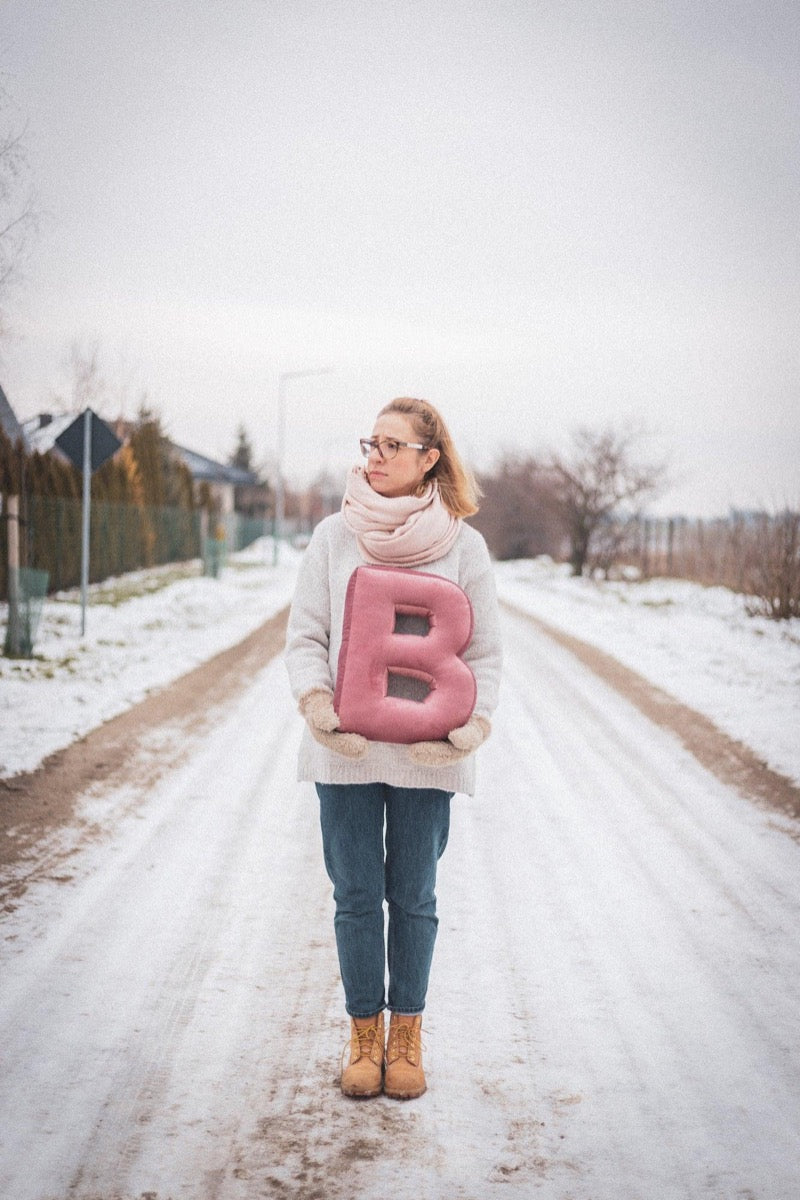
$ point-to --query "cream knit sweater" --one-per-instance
(314, 640)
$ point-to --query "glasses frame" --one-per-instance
(369, 444)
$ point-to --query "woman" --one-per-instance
(404, 508)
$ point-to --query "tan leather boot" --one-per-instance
(363, 1076)
(405, 1078)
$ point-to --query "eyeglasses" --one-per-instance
(387, 447)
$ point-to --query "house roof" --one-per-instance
(208, 470)
(41, 431)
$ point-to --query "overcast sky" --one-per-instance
(538, 214)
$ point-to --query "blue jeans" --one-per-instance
(364, 873)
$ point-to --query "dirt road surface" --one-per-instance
(614, 1011)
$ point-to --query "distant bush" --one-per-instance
(776, 582)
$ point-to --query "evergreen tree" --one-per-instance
(242, 456)
(147, 447)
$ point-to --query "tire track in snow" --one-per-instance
(733, 762)
(613, 1007)
(38, 820)
(180, 889)
(670, 889)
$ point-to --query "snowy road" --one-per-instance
(614, 1010)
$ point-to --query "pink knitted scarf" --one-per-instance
(404, 531)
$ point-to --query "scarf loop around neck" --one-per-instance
(402, 531)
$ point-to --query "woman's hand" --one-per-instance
(323, 721)
(458, 744)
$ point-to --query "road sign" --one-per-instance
(104, 442)
(87, 442)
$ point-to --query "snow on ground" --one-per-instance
(614, 1011)
(147, 629)
(142, 631)
(171, 1009)
(696, 643)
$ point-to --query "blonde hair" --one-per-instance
(457, 487)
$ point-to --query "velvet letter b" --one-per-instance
(400, 676)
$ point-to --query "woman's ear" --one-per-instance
(431, 459)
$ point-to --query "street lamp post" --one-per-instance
(280, 501)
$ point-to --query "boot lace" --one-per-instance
(366, 1040)
(405, 1040)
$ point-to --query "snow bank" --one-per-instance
(696, 643)
(142, 632)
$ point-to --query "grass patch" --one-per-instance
(232, 565)
(118, 591)
(36, 666)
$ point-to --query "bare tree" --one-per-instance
(600, 477)
(519, 515)
(616, 539)
(88, 385)
(18, 215)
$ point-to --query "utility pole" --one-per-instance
(280, 495)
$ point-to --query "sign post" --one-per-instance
(88, 443)
(86, 512)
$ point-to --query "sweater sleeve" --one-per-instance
(484, 655)
(308, 633)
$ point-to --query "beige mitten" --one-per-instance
(460, 742)
(322, 719)
(468, 737)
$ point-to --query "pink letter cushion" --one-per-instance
(394, 686)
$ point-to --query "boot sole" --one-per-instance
(361, 1095)
(404, 1095)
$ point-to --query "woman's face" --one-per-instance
(401, 475)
